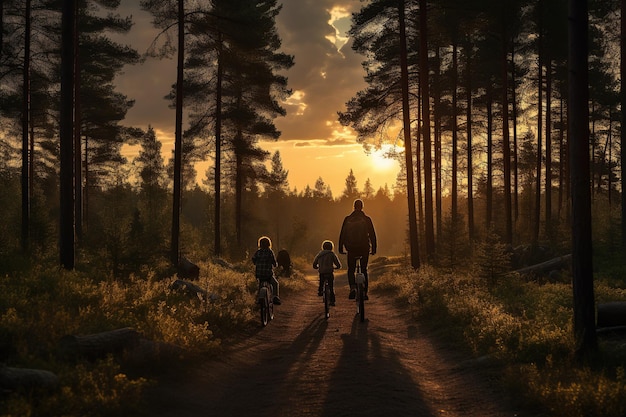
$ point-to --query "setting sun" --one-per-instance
(383, 159)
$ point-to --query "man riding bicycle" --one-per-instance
(359, 239)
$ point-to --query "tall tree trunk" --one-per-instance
(455, 139)
(506, 146)
(238, 193)
(593, 138)
(418, 173)
(437, 141)
(66, 192)
(561, 157)
(548, 198)
(178, 141)
(408, 154)
(622, 69)
(489, 196)
(468, 123)
(78, 177)
(582, 262)
(537, 217)
(1, 27)
(428, 165)
(515, 147)
(87, 185)
(25, 128)
(609, 169)
(218, 150)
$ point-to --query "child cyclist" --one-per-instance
(326, 262)
(265, 262)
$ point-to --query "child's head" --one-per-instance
(327, 245)
(265, 242)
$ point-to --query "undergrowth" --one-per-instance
(39, 307)
(526, 328)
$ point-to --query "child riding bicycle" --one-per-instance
(326, 261)
(265, 262)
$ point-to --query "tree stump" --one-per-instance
(187, 269)
(22, 378)
(98, 345)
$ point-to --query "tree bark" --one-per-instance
(428, 165)
(408, 153)
(468, 122)
(582, 263)
(548, 192)
(217, 247)
(178, 140)
(78, 177)
(506, 145)
(537, 216)
(66, 229)
(623, 109)
(25, 128)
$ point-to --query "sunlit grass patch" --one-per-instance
(574, 391)
(526, 326)
(38, 308)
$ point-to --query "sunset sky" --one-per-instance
(325, 76)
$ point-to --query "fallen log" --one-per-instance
(611, 314)
(189, 287)
(98, 345)
(546, 267)
(22, 378)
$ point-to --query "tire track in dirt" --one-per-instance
(304, 365)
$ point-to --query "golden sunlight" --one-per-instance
(383, 159)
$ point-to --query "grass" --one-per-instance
(524, 327)
(40, 306)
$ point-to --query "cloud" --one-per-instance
(325, 77)
(326, 74)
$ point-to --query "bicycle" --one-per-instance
(326, 295)
(265, 299)
(359, 278)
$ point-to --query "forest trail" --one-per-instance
(302, 364)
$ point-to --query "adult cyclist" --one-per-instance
(359, 240)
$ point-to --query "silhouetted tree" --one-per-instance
(351, 191)
(66, 229)
(582, 264)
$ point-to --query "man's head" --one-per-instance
(358, 204)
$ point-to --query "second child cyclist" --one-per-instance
(326, 262)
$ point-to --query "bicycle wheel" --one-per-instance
(264, 308)
(361, 302)
(326, 297)
(270, 310)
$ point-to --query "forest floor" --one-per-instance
(303, 364)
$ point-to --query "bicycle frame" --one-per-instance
(326, 296)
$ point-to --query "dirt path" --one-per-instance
(304, 365)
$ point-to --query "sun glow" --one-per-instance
(383, 159)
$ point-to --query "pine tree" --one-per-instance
(351, 191)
